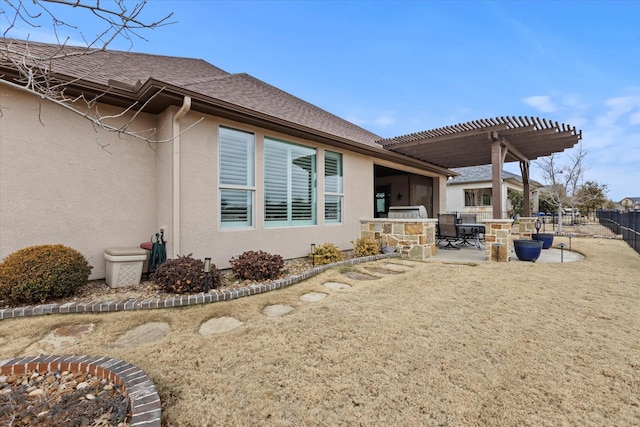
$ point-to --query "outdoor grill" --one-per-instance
(408, 212)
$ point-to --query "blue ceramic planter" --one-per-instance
(545, 238)
(527, 250)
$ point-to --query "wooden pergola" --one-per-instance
(489, 141)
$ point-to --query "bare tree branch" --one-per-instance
(564, 180)
(35, 65)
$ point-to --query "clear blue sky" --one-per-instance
(401, 67)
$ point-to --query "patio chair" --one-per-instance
(469, 233)
(447, 230)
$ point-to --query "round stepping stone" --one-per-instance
(60, 338)
(313, 297)
(147, 333)
(336, 285)
(276, 310)
(219, 325)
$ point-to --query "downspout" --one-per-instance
(175, 192)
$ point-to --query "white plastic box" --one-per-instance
(124, 266)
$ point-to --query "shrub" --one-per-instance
(366, 247)
(257, 265)
(37, 274)
(183, 275)
(326, 254)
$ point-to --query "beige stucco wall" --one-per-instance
(57, 185)
(200, 232)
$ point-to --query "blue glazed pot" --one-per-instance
(527, 250)
(545, 238)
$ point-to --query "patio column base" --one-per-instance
(497, 239)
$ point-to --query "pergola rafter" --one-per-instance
(489, 141)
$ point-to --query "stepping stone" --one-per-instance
(147, 333)
(313, 297)
(397, 267)
(219, 325)
(380, 270)
(59, 338)
(356, 275)
(336, 285)
(277, 310)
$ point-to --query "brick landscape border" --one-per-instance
(146, 408)
(177, 301)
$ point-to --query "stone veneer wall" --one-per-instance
(412, 238)
(497, 239)
(527, 227)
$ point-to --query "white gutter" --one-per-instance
(186, 106)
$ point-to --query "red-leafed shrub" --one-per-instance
(184, 275)
(257, 265)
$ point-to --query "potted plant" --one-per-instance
(527, 250)
(545, 238)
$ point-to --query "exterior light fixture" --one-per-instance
(313, 254)
(570, 236)
(498, 246)
(561, 252)
(207, 274)
(537, 225)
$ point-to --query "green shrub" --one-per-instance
(327, 253)
(366, 247)
(257, 265)
(184, 275)
(37, 274)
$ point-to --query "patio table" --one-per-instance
(467, 230)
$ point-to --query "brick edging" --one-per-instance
(146, 408)
(177, 301)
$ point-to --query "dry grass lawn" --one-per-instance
(439, 344)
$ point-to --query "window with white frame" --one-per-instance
(289, 184)
(237, 178)
(333, 188)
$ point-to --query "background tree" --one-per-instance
(563, 179)
(517, 201)
(546, 203)
(592, 196)
(104, 22)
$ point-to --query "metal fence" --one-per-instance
(626, 224)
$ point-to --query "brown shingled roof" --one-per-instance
(130, 70)
(157, 82)
(249, 92)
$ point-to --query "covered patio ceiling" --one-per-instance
(489, 141)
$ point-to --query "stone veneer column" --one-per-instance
(527, 227)
(497, 239)
(412, 238)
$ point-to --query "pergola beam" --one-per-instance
(489, 141)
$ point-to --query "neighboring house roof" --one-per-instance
(479, 174)
(633, 199)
